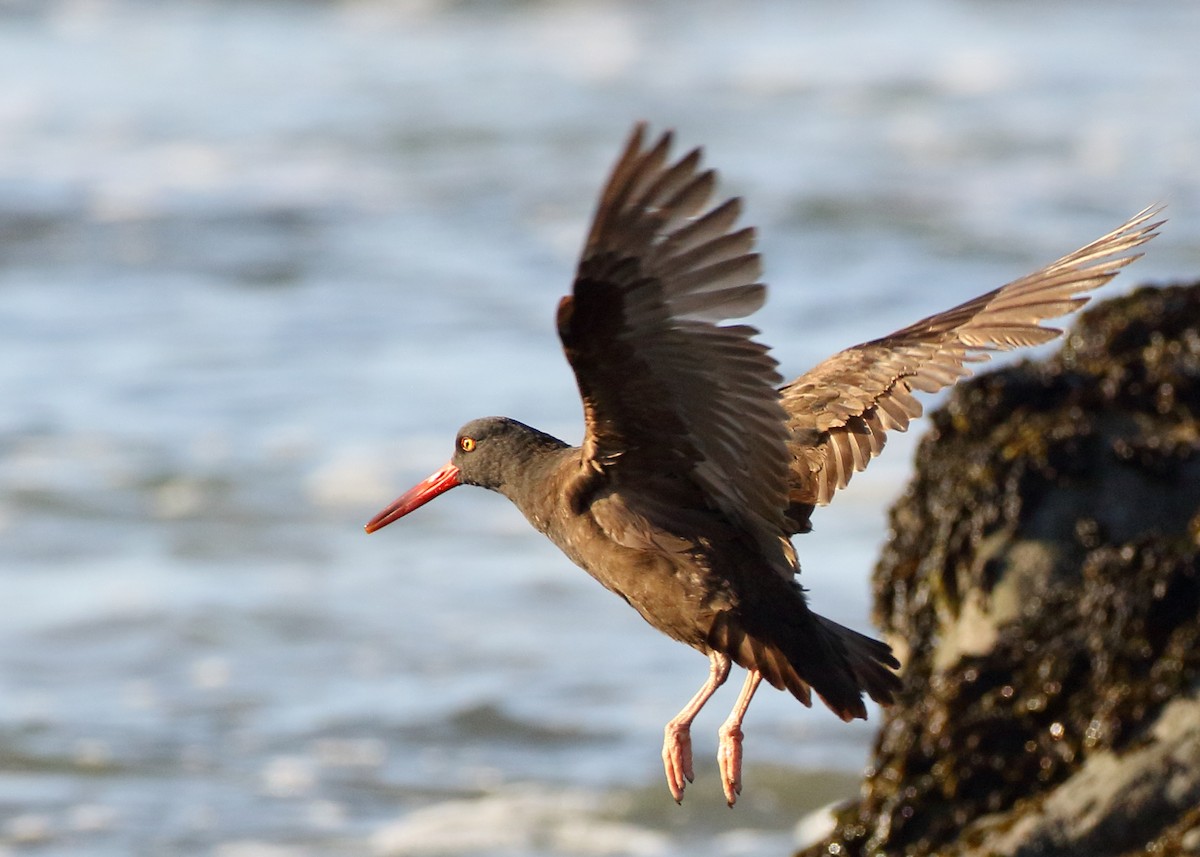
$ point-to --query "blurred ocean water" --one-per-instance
(258, 260)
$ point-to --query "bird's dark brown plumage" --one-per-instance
(696, 467)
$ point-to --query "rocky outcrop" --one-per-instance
(1042, 581)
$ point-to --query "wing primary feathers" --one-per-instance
(705, 228)
(669, 386)
(875, 380)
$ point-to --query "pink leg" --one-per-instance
(729, 749)
(677, 740)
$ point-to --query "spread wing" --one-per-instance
(676, 402)
(841, 411)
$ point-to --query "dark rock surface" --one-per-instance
(1042, 584)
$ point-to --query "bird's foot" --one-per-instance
(677, 758)
(729, 760)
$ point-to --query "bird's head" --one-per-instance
(491, 452)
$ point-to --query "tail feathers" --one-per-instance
(871, 661)
(822, 656)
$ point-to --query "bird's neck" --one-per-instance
(534, 477)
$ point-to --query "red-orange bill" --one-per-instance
(417, 496)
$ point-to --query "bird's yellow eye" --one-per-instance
(466, 444)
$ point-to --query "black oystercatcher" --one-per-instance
(696, 467)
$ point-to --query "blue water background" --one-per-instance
(258, 260)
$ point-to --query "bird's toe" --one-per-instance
(677, 759)
(729, 760)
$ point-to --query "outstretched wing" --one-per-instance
(840, 411)
(675, 402)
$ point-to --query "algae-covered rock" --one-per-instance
(1042, 581)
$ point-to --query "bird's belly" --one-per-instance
(675, 592)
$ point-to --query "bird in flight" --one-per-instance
(698, 464)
